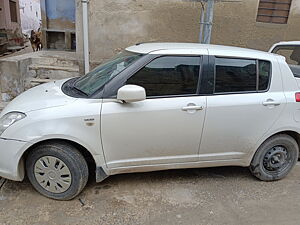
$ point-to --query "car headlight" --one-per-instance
(9, 119)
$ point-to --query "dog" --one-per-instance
(36, 40)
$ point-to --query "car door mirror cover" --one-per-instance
(131, 93)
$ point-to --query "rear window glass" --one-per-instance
(235, 75)
(241, 75)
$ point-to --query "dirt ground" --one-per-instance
(225, 195)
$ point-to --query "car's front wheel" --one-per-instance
(275, 158)
(57, 170)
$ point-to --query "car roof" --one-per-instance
(284, 43)
(194, 48)
(288, 43)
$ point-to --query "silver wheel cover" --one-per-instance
(52, 174)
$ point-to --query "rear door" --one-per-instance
(247, 99)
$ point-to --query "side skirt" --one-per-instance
(157, 167)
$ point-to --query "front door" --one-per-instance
(167, 126)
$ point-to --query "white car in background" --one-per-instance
(291, 51)
(155, 106)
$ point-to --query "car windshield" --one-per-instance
(98, 77)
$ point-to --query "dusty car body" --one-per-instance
(155, 106)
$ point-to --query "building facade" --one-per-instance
(30, 13)
(9, 15)
(240, 23)
(246, 23)
(58, 24)
(10, 24)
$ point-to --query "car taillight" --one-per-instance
(297, 96)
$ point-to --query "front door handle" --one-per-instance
(271, 102)
(192, 108)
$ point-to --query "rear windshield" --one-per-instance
(292, 55)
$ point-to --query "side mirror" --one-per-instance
(131, 93)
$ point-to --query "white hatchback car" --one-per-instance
(155, 106)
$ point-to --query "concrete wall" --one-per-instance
(235, 24)
(2, 15)
(117, 24)
(30, 13)
(13, 72)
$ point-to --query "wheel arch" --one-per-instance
(84, 151)
(292, 133)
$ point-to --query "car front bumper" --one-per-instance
(11, 151)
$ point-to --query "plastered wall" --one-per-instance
(117, 24)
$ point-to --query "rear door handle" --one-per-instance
(192, 107)
(270, 102)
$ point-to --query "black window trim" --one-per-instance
(151, 57)
(257, 76)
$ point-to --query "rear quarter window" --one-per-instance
(264, 70)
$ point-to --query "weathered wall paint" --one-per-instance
(2, 15)
(60, 9)
(235, 24)
(117, 24)
(60, 14)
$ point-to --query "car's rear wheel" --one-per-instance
(275, 158)
(57, 170)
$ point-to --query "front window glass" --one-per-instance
(169, 75)
(98, 77)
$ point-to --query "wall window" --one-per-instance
(241, 75)
(273, 11)
(13, 11)
(169, 75)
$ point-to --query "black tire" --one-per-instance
(69, 156)
(275, 158)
